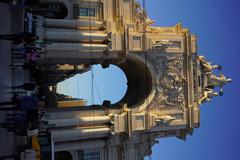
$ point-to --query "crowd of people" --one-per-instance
(22, 119)
(24, 111)
(23, 115)
(24, 45)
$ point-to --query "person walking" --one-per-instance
(30, 86)
(33, 56)
(28, 154)
(17, 38)
(24, 103)
(15, 122)
(7, 1)
(27, 65)
(24, 47)
(21, 4)
(15, 156)
(19, 128)
(16, 117)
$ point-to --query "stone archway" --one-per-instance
(161, 67)
(141, 80)
(140, 76)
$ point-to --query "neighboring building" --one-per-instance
(167, 80)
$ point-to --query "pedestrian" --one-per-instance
(16, 117)
(25, 123)
(7, 1)
(29, 154)
(24, 103)
(29, 53)
(26, 46)
(15, 156)
(30, 86)
(32, 117)
(33, 46)
(18, 127)
(21, 51)
(14, 121)
(33, 56)
(28, 128)
(22, 4)
(36, 146)
(17, 38)
(32, 2)
(27, 65)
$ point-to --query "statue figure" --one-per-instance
(207, 67)
(213, 80)
(219, 81)
(165, 119)
(208, 95)
(144, 19)
(161, 45)
(148, 21)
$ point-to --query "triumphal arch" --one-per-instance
(167, 79)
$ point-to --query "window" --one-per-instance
(175, 45)
(87, 12)
(89, 155)
(84, 10)
(199, 81)
(138, 122)
(136, 43)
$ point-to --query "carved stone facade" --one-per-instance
(170, 81)
(167, 80)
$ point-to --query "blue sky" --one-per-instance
(217, 25)
(108, 84)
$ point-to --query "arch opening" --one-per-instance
(140, 81)
(130, 82)
(96, 85)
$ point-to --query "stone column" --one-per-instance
(72, 24)
(75, 47)
(79, 133)
(74, 36)
(68, 113)
(79, 145)
(79, 121)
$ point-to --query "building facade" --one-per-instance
(167, 80)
